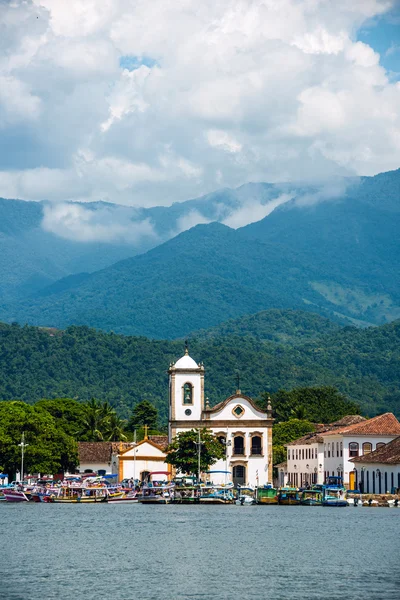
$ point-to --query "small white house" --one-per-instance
(379, 471)
(146, 457)
(99, 456)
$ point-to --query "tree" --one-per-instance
(316, 404)
(286, 432)
(115, 429)
(92, 430)
(68, 412)
(49, 448)
(144, 413)
(182, 453)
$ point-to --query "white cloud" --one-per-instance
(222, 93)
(105, 224)
(254, 210)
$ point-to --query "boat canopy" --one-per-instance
(226, 472)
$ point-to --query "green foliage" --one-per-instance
(49, 449)
(144, 413)
(315, 404)
(101, 423)
(363, 364)
(182, 453)
(286, 432)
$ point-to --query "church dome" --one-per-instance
(186, 362)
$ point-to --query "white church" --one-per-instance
(245, 429)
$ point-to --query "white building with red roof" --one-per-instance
(379, 471)
(328, 451)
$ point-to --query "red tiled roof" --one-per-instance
(386, 424)
(315, 436)
(388, 454)
(99, 452)
(160, 440)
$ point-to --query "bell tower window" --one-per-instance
(188, 393)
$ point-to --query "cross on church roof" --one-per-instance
(186, 348)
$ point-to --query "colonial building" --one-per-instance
(328, 451)
(378, 472)
(146, 457)
(245, 429)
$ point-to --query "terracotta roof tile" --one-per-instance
(386, 424)
(160, 440)
(389, 454)
(321, 429)
(99, 452)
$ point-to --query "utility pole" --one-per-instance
(134, 458)
(22, 446)
(198, 444)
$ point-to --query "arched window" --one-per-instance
(353, 449)
(222, 439)
(329, 450)
(379, 445)
(256, 445)
(366, 448)
(341, 448)
(337, 449)
(188, 393)
(238, 445)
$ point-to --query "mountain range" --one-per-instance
(336, 254)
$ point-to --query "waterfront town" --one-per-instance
(337, 464)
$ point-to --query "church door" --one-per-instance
(239, 475)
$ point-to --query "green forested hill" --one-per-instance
(82, 362)
(337, 257)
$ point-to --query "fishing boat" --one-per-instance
(245, 496)
(15, 495)
(83, 494)
(288, 496)
(354, 498)
(157, 491)
(217, 494)
(334, 492)
(334, 497)
(312, 497)
(130, 497)
(267, 495)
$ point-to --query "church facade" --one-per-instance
(244, 429)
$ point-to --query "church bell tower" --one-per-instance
(186, 394)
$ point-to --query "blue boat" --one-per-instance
(334, 492)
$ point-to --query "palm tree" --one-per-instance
(115, 429)
(92, 429)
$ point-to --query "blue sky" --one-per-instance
(383, 35)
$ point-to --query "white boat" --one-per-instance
(129, 498)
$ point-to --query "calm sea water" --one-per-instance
(188, 552)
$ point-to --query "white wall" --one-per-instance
(333, 463)
(368, 473)
(95, 467)
(297, 470)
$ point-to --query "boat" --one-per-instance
(82, 494)
(354, 498)
(311, 497)
(267, 495)
(334, 492)
(157, 491)
(15, 495)
(245, 496)
(130, 497)
(288, 496)
(217, 494)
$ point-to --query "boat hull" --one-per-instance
(338, 503)
(267, 501)
(288, 501)
(15, 496)
(310, 502)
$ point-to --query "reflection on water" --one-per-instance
(198, 552)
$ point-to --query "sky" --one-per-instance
(148, 102)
